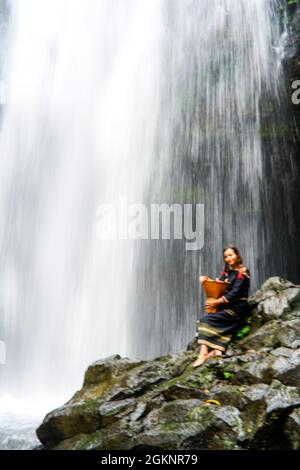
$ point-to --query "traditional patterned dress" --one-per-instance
(215, 330)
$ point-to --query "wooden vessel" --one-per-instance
(213, 290)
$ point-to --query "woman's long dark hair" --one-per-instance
(237, 252)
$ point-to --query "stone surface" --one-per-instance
(248, 399)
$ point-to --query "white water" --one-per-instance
(103, 99)
(81, 104)
(77, 132)
(18, 421)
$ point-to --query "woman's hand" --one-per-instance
(203, 278)
(212, 303)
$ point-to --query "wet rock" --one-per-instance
(265, 369)
(273, 334)
(105, 369)
(68, 421)
(191, 424)
(279, 396)
(276, 298)
(247, 399)
(177, 391)
(289, 372)
(289, 333)
(280, 429)
(291, 430)
(266, 336)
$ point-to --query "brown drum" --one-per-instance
(214, 289)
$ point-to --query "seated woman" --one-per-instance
(215, 330)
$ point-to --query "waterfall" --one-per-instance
(225, 139)
(81, 96)
(149, 102)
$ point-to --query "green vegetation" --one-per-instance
(227, 375)
(243, 332)
(245, 329)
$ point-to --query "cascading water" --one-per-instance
(148, 102)
(80, 113)
(80, 99)
(225, 139)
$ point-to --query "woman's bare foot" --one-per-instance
(200, 360)
(214, 353)
(202, 355)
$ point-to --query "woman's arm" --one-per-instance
(237, 287)
(214, 302)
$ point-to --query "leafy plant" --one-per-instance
(245, 328)
(243, 332)
(227, 375)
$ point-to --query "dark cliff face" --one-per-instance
(292, 63)
(293, 43)
(291, 116)
(248, 399)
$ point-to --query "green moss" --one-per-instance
(89, 441)
(229, 445)
(170, 426)
(196, 413)
(89, 406)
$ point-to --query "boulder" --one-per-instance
(247, 399)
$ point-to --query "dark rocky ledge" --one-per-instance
(164, 403)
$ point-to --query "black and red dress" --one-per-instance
(215, 330)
